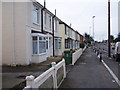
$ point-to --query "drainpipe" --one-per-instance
(42, 19)
(42, 16)
(53, 32)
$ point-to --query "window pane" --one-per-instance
(44, 38)
(47, 44)
(40, 38)
(35, 38)
(59, 44)
(42, 47)
(45, 17)
(35, 15)
(56, 46)
(35, 47)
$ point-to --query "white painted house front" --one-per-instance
(23, 41)
(57, 38)
(48, 30)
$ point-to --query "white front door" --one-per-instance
(49, 47)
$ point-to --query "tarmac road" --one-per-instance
(88, 72)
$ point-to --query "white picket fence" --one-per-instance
(53, 73)
(77, 55)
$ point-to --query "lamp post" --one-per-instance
(93, 26)
(109, 47)
(90, 30)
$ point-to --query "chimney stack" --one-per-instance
(44, 3)
(55, 12)
(70, 24)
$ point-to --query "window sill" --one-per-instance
(36, 24)
(38, 54)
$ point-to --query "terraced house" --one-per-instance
(31, 33)
(69, 38)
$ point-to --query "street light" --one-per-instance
(93, 26)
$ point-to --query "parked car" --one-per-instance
(113, 45)
(117, 51)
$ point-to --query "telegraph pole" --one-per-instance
(109, 46)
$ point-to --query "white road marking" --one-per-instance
(111, 72)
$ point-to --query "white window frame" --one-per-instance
(55, 25)
(36, 9)
(43, 39)
(50, 22)
(45, 17)
(59, 44)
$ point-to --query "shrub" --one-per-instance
(82, 45)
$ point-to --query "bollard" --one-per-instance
(97, 52)
(100, 57)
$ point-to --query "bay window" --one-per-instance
(35, 45)
(39, 44)
(57, 43)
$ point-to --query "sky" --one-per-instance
(80, 12)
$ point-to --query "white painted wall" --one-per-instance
(76, 55)
(38, 58)
(7, 34)
(62, 34)
(15, 33)
(56, 30)
(16, 36)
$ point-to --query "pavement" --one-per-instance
(14, 77)
(89, 72)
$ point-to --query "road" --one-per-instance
(104, 48)
(109, 61)
(89, 72)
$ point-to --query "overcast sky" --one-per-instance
(80, 12)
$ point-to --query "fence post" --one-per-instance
(30, 80)
(55, 76)
(64, 68)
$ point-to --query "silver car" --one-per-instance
(117, 51)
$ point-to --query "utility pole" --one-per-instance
(90, 30)
(109, 46)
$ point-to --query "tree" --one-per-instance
(88, 38)
(118, 38)
(111, 38)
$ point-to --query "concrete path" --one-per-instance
(14, 77)
(88, 72)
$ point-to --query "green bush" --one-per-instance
(82, 45)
